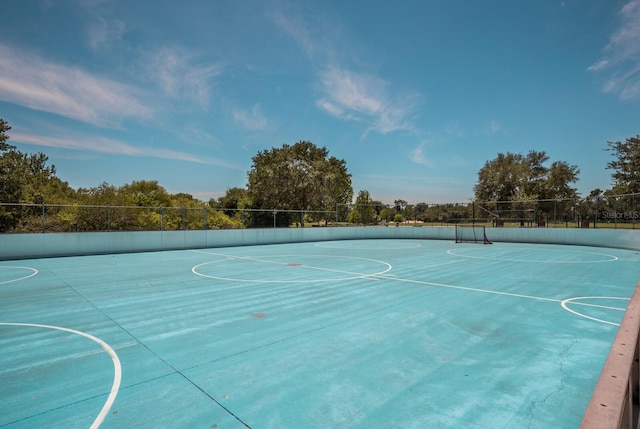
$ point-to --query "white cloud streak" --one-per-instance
(297, 30)
(360, 97)
(113, 147)
(346, 94)
(494, 127)
(33, 82)
(178, 74)
(418, 155)
(252, 119)
(103, 32)
(621, 59)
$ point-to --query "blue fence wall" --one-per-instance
(23, 246)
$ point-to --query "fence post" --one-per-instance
(204, 218)
(274, 218)
(108, 217)
(184, 218)
(161, 218)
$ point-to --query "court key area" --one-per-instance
(334, 334)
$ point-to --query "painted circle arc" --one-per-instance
(291, 268)
(594, 308)
(10, 274)
(117, 367)
(522, 254)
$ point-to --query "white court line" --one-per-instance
(612, 258)
(304, 266)
(517, 295)
(394, 277)
(571, 300)
(117, 373)
(34, 272)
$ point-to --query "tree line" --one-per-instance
(290, 185)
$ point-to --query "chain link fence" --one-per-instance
(611, 211)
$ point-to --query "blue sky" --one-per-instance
(415, 96)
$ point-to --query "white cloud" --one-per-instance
(103, 32)
(353, 96)
(419, 157)
(31, 81)
(112, 147)
(598, 65)
(347, 95)
(622, 55)
(296, 29)
(252, 119)
(179, 75)
(494, 127)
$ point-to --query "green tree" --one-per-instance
(298, 177)
(625, 165)
(233, 200)
(505, 178)
(364, 212)
(516, 181)
(24, 179)
(4, 127)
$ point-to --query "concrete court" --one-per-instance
(341, 334)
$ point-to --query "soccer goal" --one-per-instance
(471, 234)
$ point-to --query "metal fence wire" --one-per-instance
(610, 211)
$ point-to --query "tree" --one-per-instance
(517, 183)
(4, 127)
(625, 166)
(233, 200)
(364, 211)
(24, 179)
(514, 177)
(298, 177)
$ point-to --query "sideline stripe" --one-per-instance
(562, 302)
(386, 275)
(117, 368)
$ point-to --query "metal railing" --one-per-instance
(614, 403)
(616, 211)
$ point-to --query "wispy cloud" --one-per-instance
(361, 97)
(346, 94)
(494, 127)
(103, 32)
(621, 60)
(297, 29)
(31, 81)
(419, 156)
(113, 147)
(253, 119)
(181, 75)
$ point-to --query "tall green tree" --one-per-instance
(4, 127)
(625, 165)
(298, 177)
(233, 200)
(364, 211)
(516, 177)
(25, 179)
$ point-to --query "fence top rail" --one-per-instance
(608, 402)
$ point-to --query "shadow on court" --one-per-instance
(349, 334)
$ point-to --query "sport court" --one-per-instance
(334, 334)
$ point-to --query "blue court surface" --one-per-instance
(336, 334)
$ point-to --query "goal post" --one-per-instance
(471, 233)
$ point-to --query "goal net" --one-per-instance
(471, 234)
